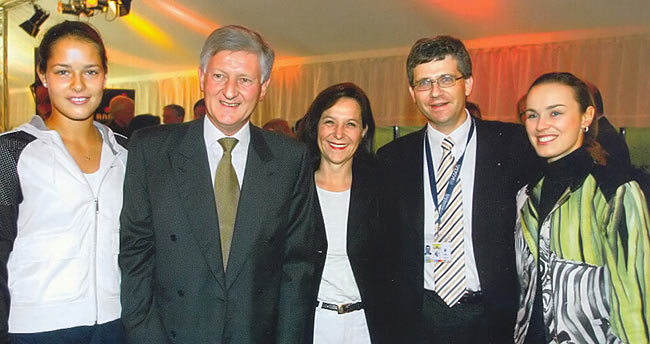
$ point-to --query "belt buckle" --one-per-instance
(471, 297)
(341, 309)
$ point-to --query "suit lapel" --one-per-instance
(319, 226)
(413, 184)
(192, 173)
(486, 176)
(252, 202)
(320, 240)
(360, 202)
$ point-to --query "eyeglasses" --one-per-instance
(443, 81)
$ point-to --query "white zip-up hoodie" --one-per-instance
(62, 271)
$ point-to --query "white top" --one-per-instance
(211, 135)
(63, 270)
(95, 179)
(467, 183)
(337, 283)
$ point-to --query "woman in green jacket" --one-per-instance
(582, 242)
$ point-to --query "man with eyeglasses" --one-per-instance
(452, 187)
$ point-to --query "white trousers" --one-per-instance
(333, 328)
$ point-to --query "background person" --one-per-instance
(474, 110)
(61, 197)
(278, 125)
(611, 141)
(199, 109)
(173, 113)
(42, 100)
(582, 238)
(142, 121)
(350, 291)
(122, 109)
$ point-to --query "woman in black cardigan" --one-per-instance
(349, 289)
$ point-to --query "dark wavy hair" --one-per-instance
(308, 132)
(78, 30)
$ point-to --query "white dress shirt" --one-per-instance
(435, 138)
(239, 154)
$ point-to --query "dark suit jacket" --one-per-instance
(174, 288)
(366, 246)
(502, 152)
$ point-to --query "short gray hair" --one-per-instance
(238, 38)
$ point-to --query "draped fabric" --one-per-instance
(619, 66)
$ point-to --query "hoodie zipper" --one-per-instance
(95, 232)
(58, 142)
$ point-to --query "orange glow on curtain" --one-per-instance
(518, 39)
(183, 15)
(148, 30)
(288, 60)
(124, 59)
(469, 9)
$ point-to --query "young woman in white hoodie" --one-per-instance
(60, 199)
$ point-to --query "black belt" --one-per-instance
(342, 309)
(471, 297)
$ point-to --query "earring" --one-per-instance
(585, 129)
(45, 84)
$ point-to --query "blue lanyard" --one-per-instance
(453, 180)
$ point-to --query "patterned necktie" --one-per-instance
(226, 194)
(450, 275)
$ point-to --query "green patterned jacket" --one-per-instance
(599, 261)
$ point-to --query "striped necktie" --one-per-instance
(226, 195)
(450, 275)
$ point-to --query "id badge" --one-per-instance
(437, 252)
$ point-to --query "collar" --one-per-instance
(39, 124)
(212, 134)
(573, 168)
(459, 135)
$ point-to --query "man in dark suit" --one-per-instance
(463, 288)
(193, 269)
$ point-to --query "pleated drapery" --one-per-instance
(619, 66)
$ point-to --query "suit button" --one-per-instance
(260, 290)
(173, 333)
(173, 237)
(181, 293)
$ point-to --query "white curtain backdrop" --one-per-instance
(619, 66)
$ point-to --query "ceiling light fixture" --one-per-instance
(33, 24)
(90, 8)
